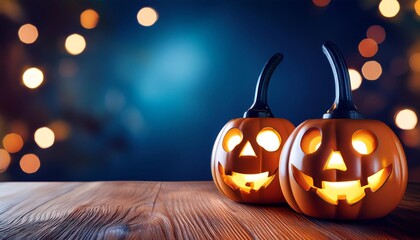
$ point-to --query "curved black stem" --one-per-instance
(259, 108)
(343, 106)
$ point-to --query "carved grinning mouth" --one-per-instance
(246, 182)
(351, 191)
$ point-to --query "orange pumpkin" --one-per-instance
(342, 166)
(246, 153)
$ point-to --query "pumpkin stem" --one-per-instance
(259, 108)
(343, 106)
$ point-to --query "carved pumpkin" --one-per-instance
(246, 153)
(342, 166)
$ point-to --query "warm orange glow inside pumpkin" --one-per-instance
(335, 161)
(364, 141)
(311, 141)
(246, 182)
(351, 191)
(232, 138)
(269, 139)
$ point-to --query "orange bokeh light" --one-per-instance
(89, 19)
(4, 160)
(61, 129)
(12, 142)
(368, 47)
(371, 70)
(321, 3)
(28, 33)
(376, 33)
(30, 163)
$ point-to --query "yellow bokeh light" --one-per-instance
(415, 62)
(29, 163)
(147, 16)
(371, 70)
(406, 119)
(417, 7)
(75, 44)
(376, 33)
(4, 160)
(32, 78)
(368, 47)
(28, 33)
(12, 142)
(89, 19)
(389, 8)
(355, 79)
(44, 137)
(61, 129)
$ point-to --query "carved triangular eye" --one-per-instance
(364, 141)
(232, 138)
(311, 140)
(269, 139)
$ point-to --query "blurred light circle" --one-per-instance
(44, 137)
(355, 79)
(75, 44)
(417, 7)
(368, 47)
(147, 16)
(376, 33)
(4, 160)
(29, 163)
(61, 129)
(89, 18)
(321, 3)
(28, 33)
(12, 142)
(389, 8)
(411, 138)
(415, 62)
(371, 70)
(406, 119)
(32, 78)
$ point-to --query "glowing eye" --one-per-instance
(232, 138)
(364, 141)
(269, 139)
(311, 141)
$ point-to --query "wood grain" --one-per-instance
(175, 210)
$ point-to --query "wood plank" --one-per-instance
(175, 210)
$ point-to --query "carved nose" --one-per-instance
(247, 150)
(335, 161)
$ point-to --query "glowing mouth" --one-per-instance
(351, 191)
(246, 182)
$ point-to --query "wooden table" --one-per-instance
(175, 210)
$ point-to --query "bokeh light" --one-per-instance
(376, 33)
(147, 16)
(406, 119)
(12, 142)
(4, 160)
(89, 19)
(30, 163)
(415, 61)
(417, 7)
(355, 79)
(371, 70)
(44, 137)
(321, 3)
(32, 78)
(389, 8)
(75, 44)
(61, 129)
(368, 47)
(411, 138)
(28, 33)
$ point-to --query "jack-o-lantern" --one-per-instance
(246, 153)
(342, 166)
